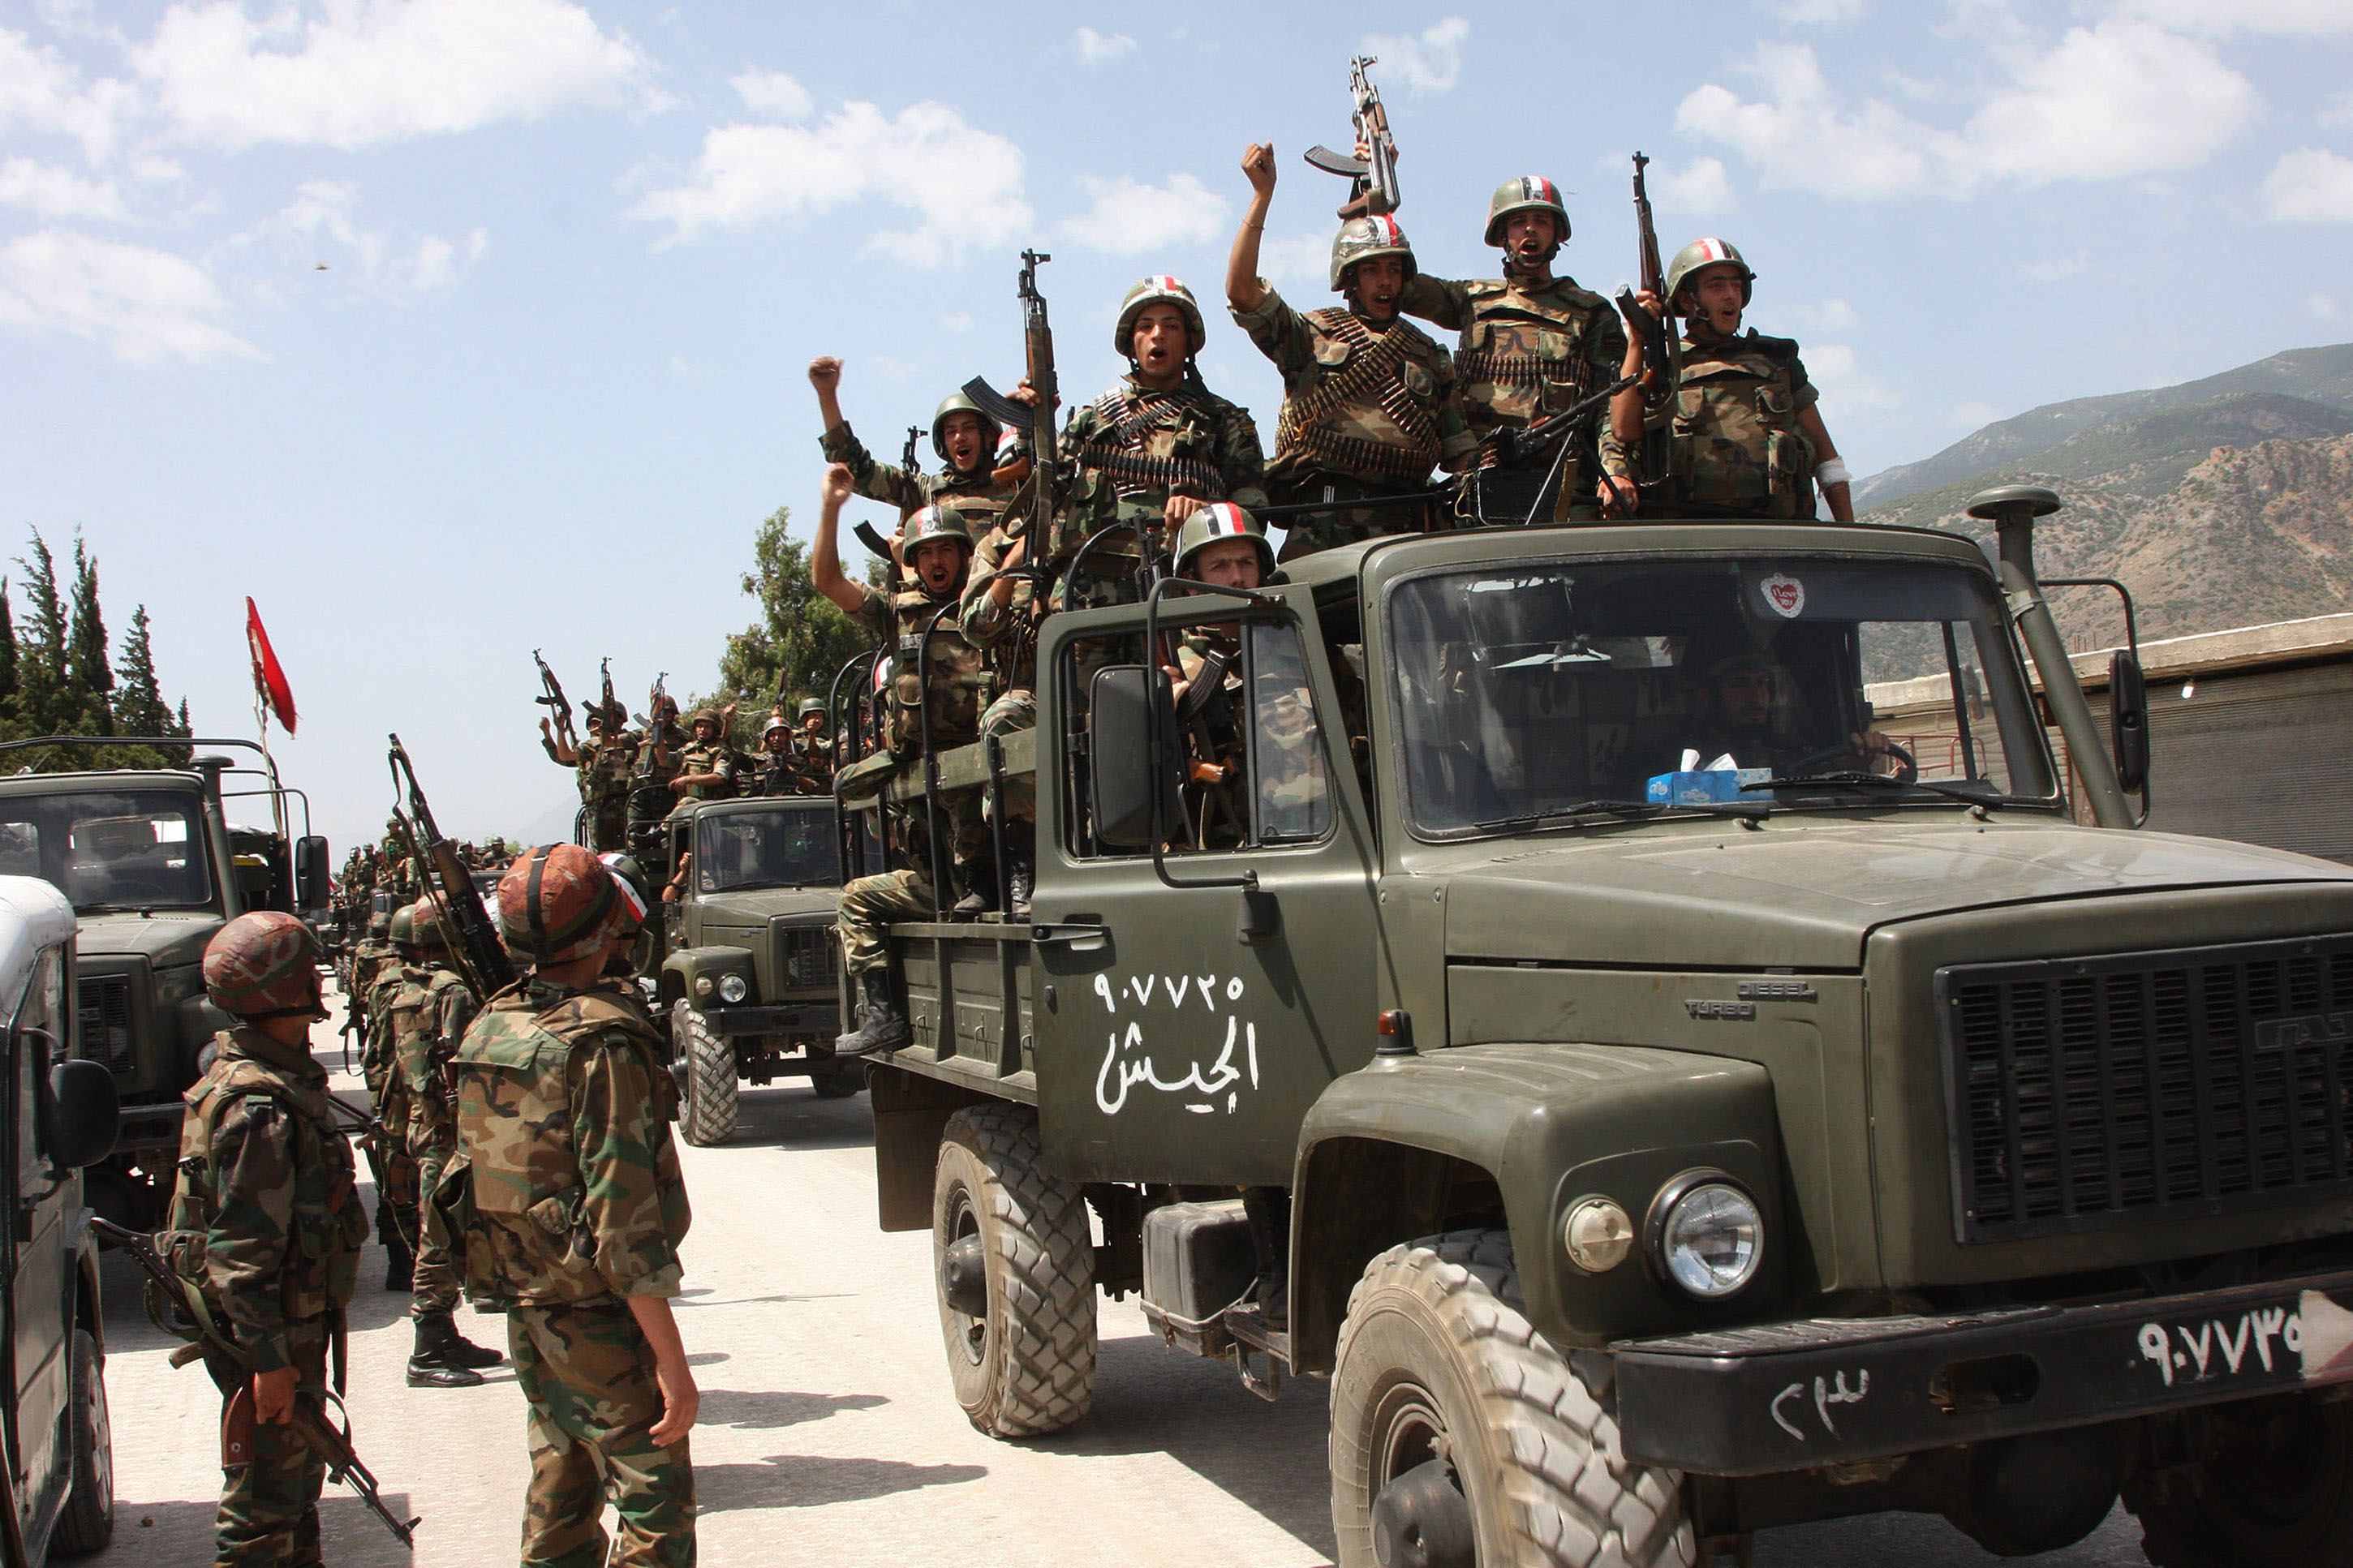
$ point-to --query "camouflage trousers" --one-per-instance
(1016, 711)
(588, 1373)
(870, 906)
(608, 824)
(965, 822)
(436, 1277)
(269, 1505)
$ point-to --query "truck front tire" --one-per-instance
(1486, 1446)
(2277, 1492)
(86, 1523)
(707, 1112)
(1025, 1363)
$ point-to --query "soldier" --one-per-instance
(1532, 344)
(938, 552)
(812, 748)
(267, 1216)
(368, 957)
(576, 1212)
(395, 1167)
(432, 1012)
(1745, 436)
(963, 436)
(1159, 445)
(999, 615)
(706, 768)
(656, 764)
(1370, 402)
(607, 765)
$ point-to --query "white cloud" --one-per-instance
(47, 191)
(323, 220)
(1817, 13)
(2117, 100)
(957, 321)
(773, 93)
(2309, 18)
(357, 72)
(42, 93)
(1096, 48)
(1833, 315)
(1843, 382)
(2053, 269)
(2324, 306)
(1296, 264)
(1129, 218)
(1973, 415)
(1700, 189)
(146, 306)
(964, 184)
(2338, 115)
(2312, 184)
(1430, 61)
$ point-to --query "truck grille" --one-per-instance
(104, 1002)
(2094, 1092)
(809, 957)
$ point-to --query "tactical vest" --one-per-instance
(329, 1226)
(1369, 409)
(980, 498)
(1524, 356)
(1735, 441)
(422, 1056)
(608, 768)
(960, 679)
(528, 1241)
(705, 757)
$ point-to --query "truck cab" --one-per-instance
(1676, 1079)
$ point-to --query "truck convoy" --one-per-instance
(1697, 1110)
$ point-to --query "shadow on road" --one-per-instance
(796, 1480)
(737, 1407)
(792, 1117)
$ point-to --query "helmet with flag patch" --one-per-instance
(1220, 521)
(631, 883)
(1529, 193)
(961, 403)
(1158, 290)
(429, 926)
(1361, 239)
(938, 522)
(1704, 253)
(777, 724)
(558, 904)
(264, 964)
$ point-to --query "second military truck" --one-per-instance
(1698, 1110)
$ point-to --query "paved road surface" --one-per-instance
(829, 1436)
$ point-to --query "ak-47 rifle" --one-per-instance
(551, 696)
(1374, 190)
(475, 941)
(1043, 478)
(179, 1310)
(608, 704)
(1662, 349)
(910, 462)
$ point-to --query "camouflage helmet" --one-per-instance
(777, 724)
(1218, 521)
(1158, 290)
(705, 716)
(1361, 239)
(558, 904)
(809, 705)
(429, 925)
(380, 927)
(1706, 253)
(1529, 193)
(629, 879)
(404, 929)
(961, 403)
(937, 521)
(264, 965)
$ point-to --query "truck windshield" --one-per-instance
(109, 849)
(789, 846)
(1549, 689)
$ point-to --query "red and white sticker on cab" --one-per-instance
(2327, 1331)
(1786, 593)
(2313, 1339)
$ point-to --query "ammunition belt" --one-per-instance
(1353, 456)
(1373, 377)
(1133, 472)
(1533, 372)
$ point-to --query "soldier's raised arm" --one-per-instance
(825, 556)
(1243, 288)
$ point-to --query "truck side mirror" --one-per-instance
(1122, 772)
(314, 874)
(82, 1114)
(2129, 721)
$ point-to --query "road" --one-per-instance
(827, 1433)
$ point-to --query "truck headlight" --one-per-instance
(734, 988)
(1705, 1234)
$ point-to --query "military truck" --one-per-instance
(56, 1460)
(743, 961)
(1692, 1120)
(152, 868)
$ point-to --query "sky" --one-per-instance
(451, 329)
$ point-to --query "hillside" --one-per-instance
(2316, 375)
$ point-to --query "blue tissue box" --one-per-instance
(1711, 788)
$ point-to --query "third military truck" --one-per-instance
(1701, 1106)
(743, 959)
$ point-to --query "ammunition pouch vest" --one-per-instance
(1376, 378)
(1735, 442)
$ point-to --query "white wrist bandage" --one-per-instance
(1832, 473)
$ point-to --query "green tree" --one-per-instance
(90, 678)
(43, 704)
(7, 658)
(800, 640)
(139, 705)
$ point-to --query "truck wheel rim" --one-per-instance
(1417, 1524)
(2277, 1466)
(971, 1331)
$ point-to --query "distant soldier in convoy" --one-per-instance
(1370, 402)
(564, 1107)
(267, 1220)
(1531, 343)
(603, 759)
(706, 768)
(657, 763)
(1743, 432)
(397, 1186)
(963, 437)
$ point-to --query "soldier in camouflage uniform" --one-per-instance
(573, 1226)
(430, 1014)
(706, 768)
(1370, 402)
(396, 1168)
(963, 437)
(607, 762)
(1742, 434)
(266, 1222)
(1532, 344)
(812, 748)
(656, 764)
(1000, 617)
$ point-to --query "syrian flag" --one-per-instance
(269, 688)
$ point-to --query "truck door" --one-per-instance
(35, 1217)
(1174, 1044)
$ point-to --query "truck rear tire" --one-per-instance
(2277, 1492)
(1025, 1364)
(707, 1112)
(86, 1523)
(1486, 1444)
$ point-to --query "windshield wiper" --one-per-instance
(1626, 810)
(1977, 792)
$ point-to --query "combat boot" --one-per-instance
(886, 1027)
(435, 1363)
(1020, 882)
(980, 897)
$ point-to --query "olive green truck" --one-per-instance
(1698, 1110)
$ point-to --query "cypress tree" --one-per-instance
(90, 678)
(139, 708)
(41, 696)
(7, 656)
